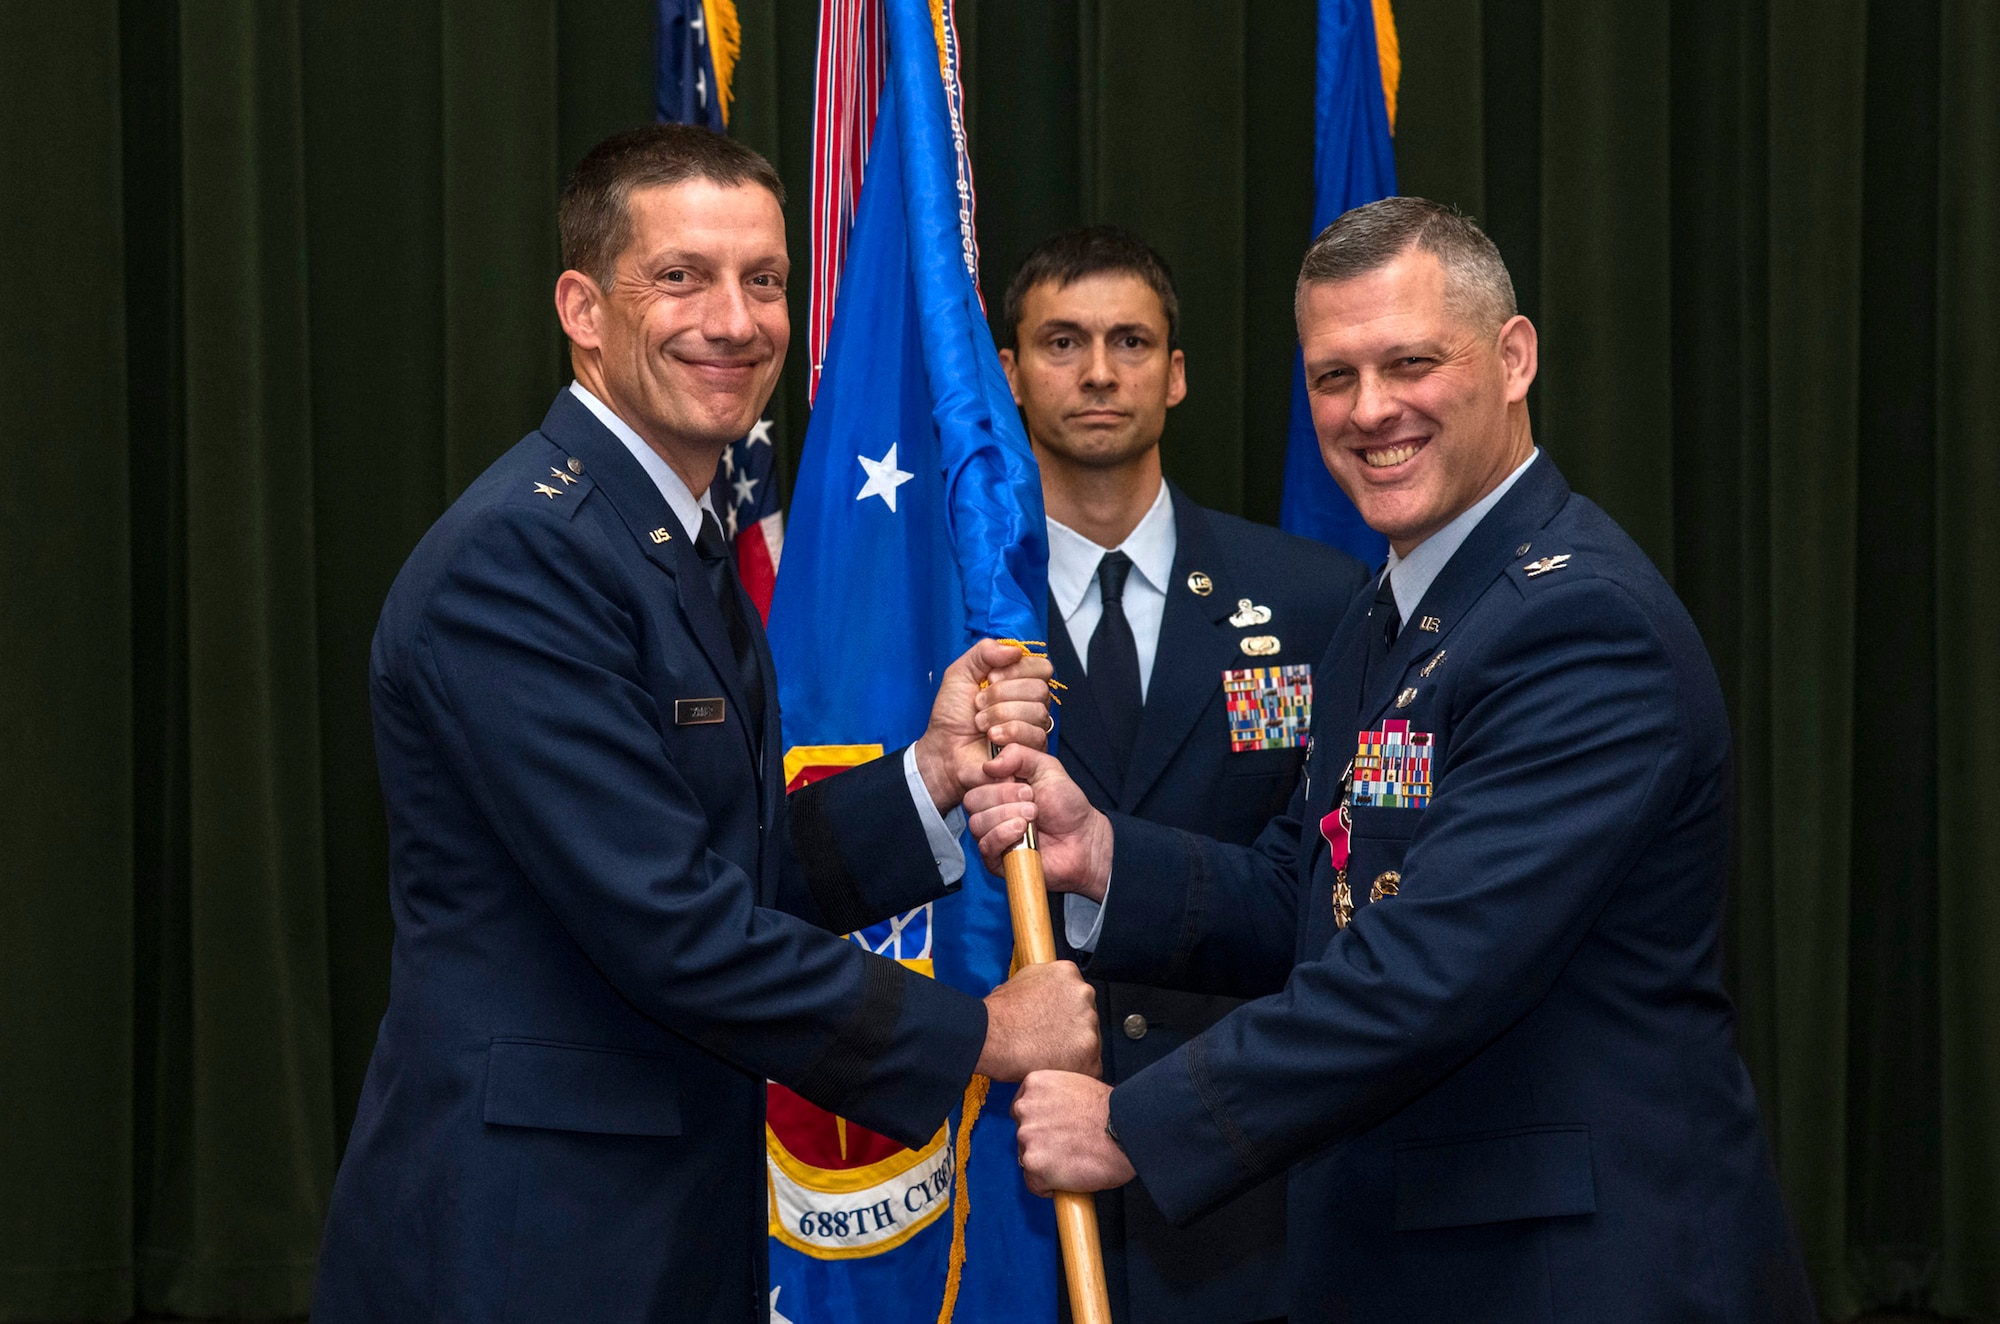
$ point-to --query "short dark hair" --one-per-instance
(594, 219)
(1091, 250)
(1478, 289)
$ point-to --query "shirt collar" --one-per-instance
(686, 506)
(1073, 558)
(1414, 574)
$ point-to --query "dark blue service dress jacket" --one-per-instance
(1233, 583)
(611, 927)
(1508, 1089)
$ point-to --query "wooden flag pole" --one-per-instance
(1076, 1214)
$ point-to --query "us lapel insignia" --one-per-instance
(1199, 584)
(660, 536)
(550, 492)
(1268, 707)
(1432, 665)
(1546, 564)
(558, 473)
(1392, 768)
(1248, 613)
(1430, 625)
(1407, 697)
(1260, 645)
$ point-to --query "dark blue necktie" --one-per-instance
(715, 559)
(1385, 619)
(1113, 664)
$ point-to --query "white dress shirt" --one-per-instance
(1410, 577)
(686, 505)
(1073, 561)
(940, 832)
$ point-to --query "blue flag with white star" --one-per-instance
(915, 528)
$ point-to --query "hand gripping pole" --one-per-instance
(1076, 1214)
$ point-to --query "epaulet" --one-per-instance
(1537, 565)
(555, 480)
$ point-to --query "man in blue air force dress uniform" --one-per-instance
(1490, 1040)
(1186, 638)
(610, 925)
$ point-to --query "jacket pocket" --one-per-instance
(574, 1087)
(1495, 1177)
(1386, 824)
(1263, 763)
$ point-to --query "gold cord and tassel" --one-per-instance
(961, 1204)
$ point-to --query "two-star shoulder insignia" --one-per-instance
(1546, 564)
(567, 476)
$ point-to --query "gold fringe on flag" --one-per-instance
(725, 43)
(937, 28)
(1388, 54)
(961, 1206)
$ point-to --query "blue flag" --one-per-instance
(916, 527)
(692, 64)
(1354, 162)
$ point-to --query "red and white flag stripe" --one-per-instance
(853, 60)
(852, 63)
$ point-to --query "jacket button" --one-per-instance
(1135, 1026)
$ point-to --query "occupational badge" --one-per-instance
(1248, 613)
(1269, 707)
(1392, 768)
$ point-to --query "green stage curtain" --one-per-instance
(275, 284)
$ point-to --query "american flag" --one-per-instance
(745, 497)
(852, 62)
(851, 65)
